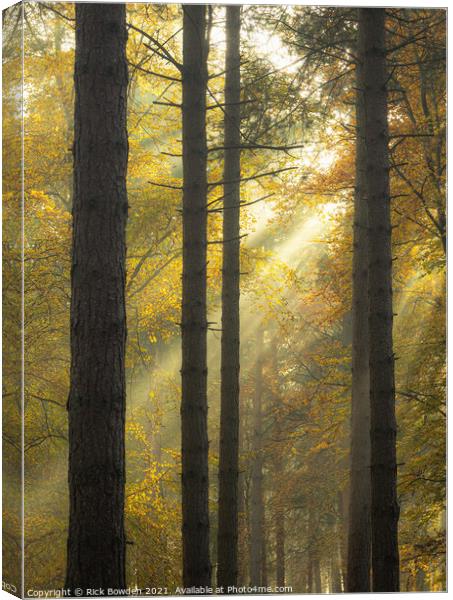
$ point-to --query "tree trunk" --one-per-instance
(243, 519)
(420, 581)
(96, 403)
(316, 566)
(310, 589)
(303, 581)
(342, 502)
(256, 494)
(384, 505)
(280, 548)
(195, 483)
(278, 466)
(229, 418)
(264, 552)
(359, 519)
(335, 574)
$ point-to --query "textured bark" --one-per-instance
(384, 505)
(359, 519)
(227, 542)
(256, 493)
(96, 404)
(195, 481)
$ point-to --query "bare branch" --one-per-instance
(148, 72)
(252, 177)
(257, 147)
(240, 205)
(165, 185)
(230, 240)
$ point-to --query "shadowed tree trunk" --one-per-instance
(420, 581)
(195, 484)
(264, 550)
(280, 548)
(342, 503)
(243, 519)
(303, 580)
(96, 403)
(316, 566)
(359, 518)
(310, 589)
(278, 466)
(256, 493)
(384, 505)
(229, 418)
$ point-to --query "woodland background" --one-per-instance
(296, 264)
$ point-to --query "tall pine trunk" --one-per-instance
(256, 492)
(359, 519)
(229, 417)
(96, 403)
(384, 505)
(195, 481)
